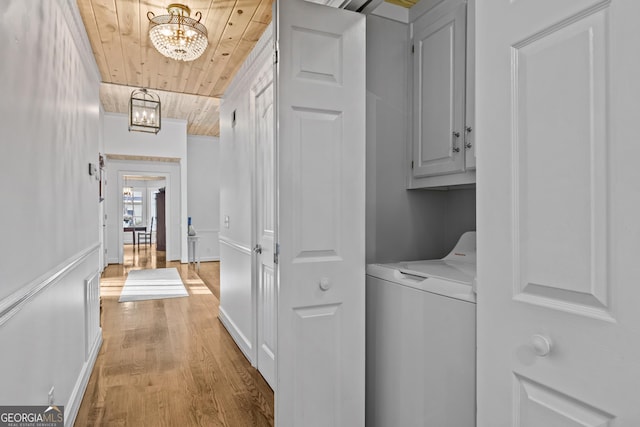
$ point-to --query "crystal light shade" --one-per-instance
(144, 111)
(176, 35)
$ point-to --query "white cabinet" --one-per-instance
(442, 151)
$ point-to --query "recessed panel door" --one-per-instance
(558, 320)
(263, 111)
(320, 204)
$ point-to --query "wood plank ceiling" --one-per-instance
(118, 32)
(200, 112)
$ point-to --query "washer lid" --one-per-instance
(458, 266)
(456, 271)
(448, 288)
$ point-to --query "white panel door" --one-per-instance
(558, 199)
(321, 188)
(263, 113)
(439, 89)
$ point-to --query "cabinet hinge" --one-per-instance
(411, 164)
(276, 253)
(413, 48)
(275, 56)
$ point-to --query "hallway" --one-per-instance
(170, 362)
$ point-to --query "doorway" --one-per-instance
(142, 197)
(143, 213)
(175, 203)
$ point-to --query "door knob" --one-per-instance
(541, 345)
(325, 284)
(258, 249)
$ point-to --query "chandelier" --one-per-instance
(144, 111)
(176, 35)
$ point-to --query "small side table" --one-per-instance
(193, 254)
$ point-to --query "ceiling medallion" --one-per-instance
(176, 35)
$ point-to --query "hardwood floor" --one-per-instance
(170, 362)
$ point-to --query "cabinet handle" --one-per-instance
(456, 135)
(468, 130)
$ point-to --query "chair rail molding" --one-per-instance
(240, 247)
(11, 305)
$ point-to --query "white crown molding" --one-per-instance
(72, 16)
(263, 47)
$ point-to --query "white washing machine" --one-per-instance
(421, 341)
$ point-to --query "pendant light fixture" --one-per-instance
(176, 35)
(144, 111)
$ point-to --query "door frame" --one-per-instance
(119, 219)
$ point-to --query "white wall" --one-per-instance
(460, 215)
(49, 116)
(237, 296)
(203, 204)
(401, 224)
(170, 142)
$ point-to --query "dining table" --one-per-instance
(134, 229)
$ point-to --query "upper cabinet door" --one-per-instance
(439, 93)
(558, 202)
(320, 152)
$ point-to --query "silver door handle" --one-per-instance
(258, 249)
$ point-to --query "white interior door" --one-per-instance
(263, 113)
(558, 201)
(321, 188)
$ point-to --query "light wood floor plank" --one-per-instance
(170, 362)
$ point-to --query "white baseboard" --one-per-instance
(210, 258)
(73, 405)
(241, 341)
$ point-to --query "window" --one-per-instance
(132, 207)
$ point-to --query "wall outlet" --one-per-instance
(51, 395)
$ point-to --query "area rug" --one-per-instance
(153, 284)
